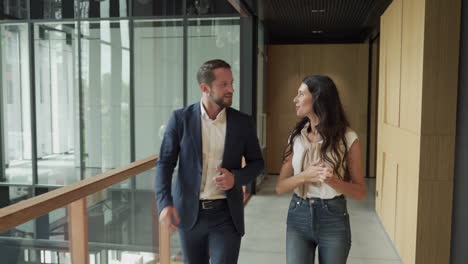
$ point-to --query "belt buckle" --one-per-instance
(204, 203)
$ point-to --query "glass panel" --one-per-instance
(157, 7)
(101, 8)
(56, 53)
(51, 9)
(13, 194)
(16, 105)
(261, 91)
(213, 39)
(158, 80)
(106, 90)
(14, 9)
(41, 240)
(261, 95)
(176, 250)
(123, 224)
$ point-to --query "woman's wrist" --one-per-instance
(333, 181)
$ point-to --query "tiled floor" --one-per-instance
(265, 216)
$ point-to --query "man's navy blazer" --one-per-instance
(183, 142)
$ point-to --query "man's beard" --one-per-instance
(220, 101)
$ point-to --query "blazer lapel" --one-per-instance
(195, 124)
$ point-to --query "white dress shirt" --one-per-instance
(213, 137)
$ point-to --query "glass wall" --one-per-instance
(105, 70)
(93, 91)
(63, 9)
(213, 38)
(56, 90)
(16, 151)
(159, 87)
(78, 98)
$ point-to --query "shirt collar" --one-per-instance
(221, 115)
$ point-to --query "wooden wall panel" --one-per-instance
(438, 128)
(283, 81)
(437, 160)
(346, 64)
(408, 146)
(434, 222)
(373, 109)
(380, 112)
(424, 142)
(389, 194)
(441, 49)
(391, 89)
(398, 200)
(412, 65)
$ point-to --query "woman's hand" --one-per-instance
(317, 172)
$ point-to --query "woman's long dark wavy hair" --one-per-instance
(332, 122)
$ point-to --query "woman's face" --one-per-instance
(303, 101)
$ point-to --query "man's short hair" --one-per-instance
(205, 73)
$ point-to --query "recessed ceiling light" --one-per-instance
(318, 11)
(317, 31)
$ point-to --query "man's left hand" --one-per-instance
(224, 181)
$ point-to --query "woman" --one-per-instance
(322, 164)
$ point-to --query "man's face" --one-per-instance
(221, 90)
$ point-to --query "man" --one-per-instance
(209, 139)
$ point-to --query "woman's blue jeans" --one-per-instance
(322, 223)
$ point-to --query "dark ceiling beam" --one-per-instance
(241, 7)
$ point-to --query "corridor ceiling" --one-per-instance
(318, 21)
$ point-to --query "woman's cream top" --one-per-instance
(301, 144)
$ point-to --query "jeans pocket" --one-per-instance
(336, 208)
(293, 204)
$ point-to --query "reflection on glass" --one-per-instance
(158, 80)
(15, 90)
(10, 195)
(214, 38)
(41, 240)
(106, 91)
(101, 8)
(209, 7)
(157, 7)
(14, 9)
(123, 222)
(56, 53)
(56, 9)
(51, 226)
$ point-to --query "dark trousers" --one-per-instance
(213, 236)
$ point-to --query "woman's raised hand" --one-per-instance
(317, 172)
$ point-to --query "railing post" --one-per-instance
(78, 231)
(164, 245)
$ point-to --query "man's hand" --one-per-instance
(224, 181)
(170, 218)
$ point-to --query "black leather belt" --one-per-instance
(212, 204)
